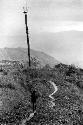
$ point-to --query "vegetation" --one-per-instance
(18, 81)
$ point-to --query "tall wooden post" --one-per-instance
(27, 33)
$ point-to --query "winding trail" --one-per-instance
(52, 102)
(27, 119)
(55, 90)
(51, 95)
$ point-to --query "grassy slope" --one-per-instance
(68, 107)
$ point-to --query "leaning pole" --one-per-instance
(27, 33)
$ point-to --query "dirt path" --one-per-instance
(51, 95)
(52, 102)
(27, 119)
(55, 90)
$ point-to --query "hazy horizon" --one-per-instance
(55, 27)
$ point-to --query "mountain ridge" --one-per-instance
(20, 54)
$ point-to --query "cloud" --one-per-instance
(43, 15)
(57, 10)
(64, 26)
(44, 3)
(56, 26)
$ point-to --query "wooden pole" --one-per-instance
(27, 33)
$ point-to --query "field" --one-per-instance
(18, 82)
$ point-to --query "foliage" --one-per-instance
(20, 78)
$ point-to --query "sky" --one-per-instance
(55, 27)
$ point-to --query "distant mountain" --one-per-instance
(67, 45)
(20, 54)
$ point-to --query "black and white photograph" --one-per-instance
(41, 62)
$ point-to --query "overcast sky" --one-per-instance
(55, 27)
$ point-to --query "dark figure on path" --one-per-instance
(33, 99)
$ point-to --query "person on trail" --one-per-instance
(33, 99)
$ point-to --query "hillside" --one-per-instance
(63, 107)
(21, 54)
